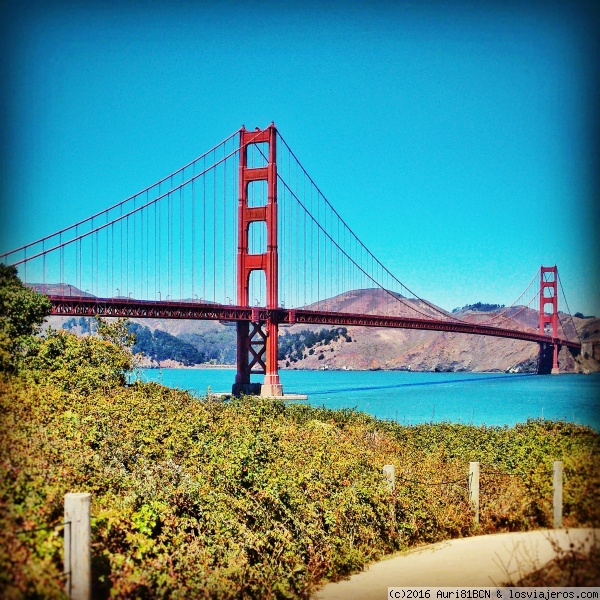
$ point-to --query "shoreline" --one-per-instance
(188, 367)
(226, 367)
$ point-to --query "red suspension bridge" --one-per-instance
(242, 233)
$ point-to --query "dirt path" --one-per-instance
(487, 560)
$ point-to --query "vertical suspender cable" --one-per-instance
(96, 279)
(318, 253)
(181, 241)
(62, 261)
(312, 247)
(292, 243)
(134, 220)
(112, 260)
(284, 254)
(106, 267)
(93, 256)
(297, 262)
(121, 267)
(194, 236)
(94, 240)
(43, 268)
(127, 255)
(204, 233)
(214, 230)
(224, 224)
(157, 247)
(147, 251)
(305, 264)
(142, 256)
(76, 259)
(170, 244)
(234, 187)
(325, 274)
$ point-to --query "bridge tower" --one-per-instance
(257, 341)
(549, 297)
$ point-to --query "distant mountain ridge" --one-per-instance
(363, 348)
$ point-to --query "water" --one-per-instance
(411, 398)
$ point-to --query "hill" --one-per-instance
(363, 348)
(374, 348)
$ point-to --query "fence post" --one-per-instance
(389, 473)
(78, 533)
(557, 500)
(474, 489)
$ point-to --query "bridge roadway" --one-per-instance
(78, 306)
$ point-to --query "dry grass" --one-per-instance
(579, 566)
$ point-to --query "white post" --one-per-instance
(474, 488)
(557, 500)
(389, 472)
(78, 533)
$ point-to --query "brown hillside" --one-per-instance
(380, 348)
(374, 348)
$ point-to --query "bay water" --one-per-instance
(411, 398)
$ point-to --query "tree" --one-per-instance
(117, 333)
(22, 312)
(81, 364)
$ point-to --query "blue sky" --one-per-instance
(458, 140)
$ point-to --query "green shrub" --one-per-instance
(255, 498)
(22, 311)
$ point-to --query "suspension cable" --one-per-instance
(119, 204)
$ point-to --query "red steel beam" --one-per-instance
(149, 309)
(332, 318)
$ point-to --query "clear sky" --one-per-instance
(458, 140)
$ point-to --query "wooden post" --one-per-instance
(557, 500)
(474, 489)
(389, 473)
(78, 533)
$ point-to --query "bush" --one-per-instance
(22, 311)
(74, 363)
(255, 498)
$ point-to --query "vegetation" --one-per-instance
(255, 498)
(479, 307)
(160, 345)
(252, 498)
(218, 346)
(575, 567)
(292, 346)
(156, 345)
(80, 364)
(21, 313)
(83, 325)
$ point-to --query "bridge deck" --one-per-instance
(151, 309)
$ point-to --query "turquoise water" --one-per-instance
(410, 398)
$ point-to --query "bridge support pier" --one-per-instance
(272, 385)
(246, 348)
(257, 341)
(548, 359)
(555, 350)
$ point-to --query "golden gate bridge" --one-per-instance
(243, 233)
